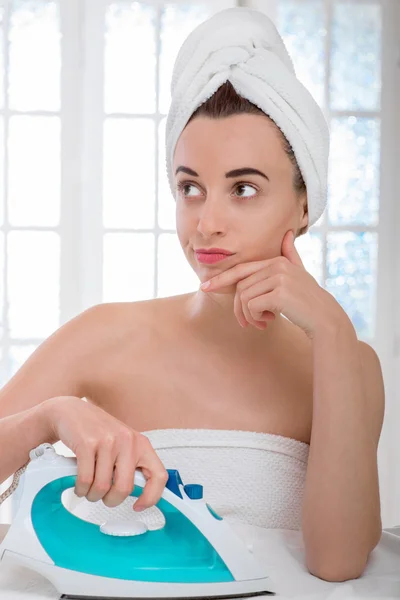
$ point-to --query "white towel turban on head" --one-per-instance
(243, 46)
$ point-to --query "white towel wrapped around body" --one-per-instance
(242, 45)
(248, 477)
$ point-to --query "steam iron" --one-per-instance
(196, 554)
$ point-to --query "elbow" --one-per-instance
(331, 571)
(340, 566)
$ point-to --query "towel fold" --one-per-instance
(242, 45)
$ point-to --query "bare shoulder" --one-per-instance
(127, 318)
(373, 386)
(120, 328)
(123, 337)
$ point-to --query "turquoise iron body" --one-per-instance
(183, 553)
(195, 554)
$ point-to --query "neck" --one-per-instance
(213, 315)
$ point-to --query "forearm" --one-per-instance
(341, 505)
(21, 432)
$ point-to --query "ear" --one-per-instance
(304, 218)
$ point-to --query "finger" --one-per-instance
(260, 304)
(244, 304)
(238, 310)
(233, 275)
(124, 476)
(86, 463)
(289, 250)
(157, 475)
(105, 460)
(241, 289)
(249, 295)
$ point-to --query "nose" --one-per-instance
(212, 217)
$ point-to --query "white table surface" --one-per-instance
(282, 550)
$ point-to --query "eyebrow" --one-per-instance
(234, 173)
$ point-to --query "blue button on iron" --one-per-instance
(174, 481)
(194, 490)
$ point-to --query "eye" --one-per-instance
(182, 185)
(245, 185)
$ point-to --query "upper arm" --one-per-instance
(56, 367)
(373, 387)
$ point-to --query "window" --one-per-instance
(86, 214)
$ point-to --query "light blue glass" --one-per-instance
(130, 57)
(2, 255)
(354, 171)
(166, 201)
(18, 355)
(128, 266)
(309, 246)
(1, 55)
(177, 21)
(4, 376)
(34, 146)
(351, 276)
(34, 55)
(175, 274)
(129, 173)
(1, 170)
(33, 278)
(302, 27)
(356, 56)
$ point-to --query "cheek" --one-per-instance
(183, 225)
(266, 241)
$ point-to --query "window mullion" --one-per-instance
(71, 111)
(91, 215)
(388, 284)
(6, 330)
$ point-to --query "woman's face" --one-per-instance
(245, 213)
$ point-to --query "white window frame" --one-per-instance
(92, 155)
(81, 268)
(387, 339)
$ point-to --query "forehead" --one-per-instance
(239, 140)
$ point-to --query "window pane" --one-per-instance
(1, 284)
(302, 27)
(309, 246)
(166, 201)
(1, 170)
(354, 171)
(175, 275)
(34, 171)
(1, 55)
(129, 179)
(352, 277)
(18, 355)
(33, 283)
(4, 377)
(177, 21)
(128, 267)
(356, 56)
(130, 58)
(35, 55)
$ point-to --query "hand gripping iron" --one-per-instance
(196, 554)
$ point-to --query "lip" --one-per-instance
(210, 257)
(213, 251)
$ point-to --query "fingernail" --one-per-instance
(139, 508)
(205, 285)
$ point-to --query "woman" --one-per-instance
(258, 378)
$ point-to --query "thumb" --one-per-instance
(289, 250)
